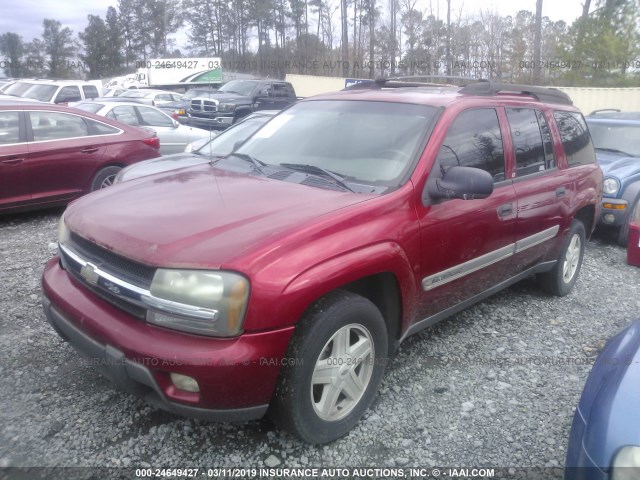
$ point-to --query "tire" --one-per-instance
(623, 232)
(306, 402)
(104, 178)
(562, 278)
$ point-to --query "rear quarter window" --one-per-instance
(576, 139)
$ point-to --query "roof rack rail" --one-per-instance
(401, 82)
(543, 94)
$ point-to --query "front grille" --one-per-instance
(208, 106)
(133, 272)
(74, 268)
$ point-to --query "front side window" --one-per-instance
(9, 128)
(56, 126)
(575, 138)
(474, 140)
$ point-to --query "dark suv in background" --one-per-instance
(283, 276)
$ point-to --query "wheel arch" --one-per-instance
(380, 273)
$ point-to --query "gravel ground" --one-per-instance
(493, 386)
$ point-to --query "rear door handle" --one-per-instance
(89, 150)
(505, 210)
(13, 160)
(560, 192)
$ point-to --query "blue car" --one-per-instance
(604, 443)
(616, 138)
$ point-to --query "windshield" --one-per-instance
(43, 93)
(616, 137)
(372, 143)
(89, 107)
(18, 88)
(225, 143)
(243, 87)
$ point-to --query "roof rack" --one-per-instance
(471, 86)
(401, 82)
(543, 94)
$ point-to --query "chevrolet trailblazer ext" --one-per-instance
(282, 276)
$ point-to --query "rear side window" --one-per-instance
(474, 140)
(9, 128)
(68, 94)
(125, 114)
(531, 140)
(154, 118)
(54, 126)
(575, 138)
(99, 128)
(90, 91)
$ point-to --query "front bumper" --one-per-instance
(579, 465)
(219, 121)
(616, 216)
(236, 376)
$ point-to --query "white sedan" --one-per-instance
(174, 137)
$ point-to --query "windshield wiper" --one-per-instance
(257, 164)
(319, 172)
(615, 150)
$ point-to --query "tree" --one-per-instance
(95, 41)
(115, 43)
(60, 48)
(537, 43)
(12, 47)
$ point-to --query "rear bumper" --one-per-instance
(236, 376)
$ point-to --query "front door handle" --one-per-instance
(12, 160)
(89, 150)
(505, 210)
(560, 192)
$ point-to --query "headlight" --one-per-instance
(199, 301)
(626, 464)
(63, 231)
(611, 186)
(226, 107)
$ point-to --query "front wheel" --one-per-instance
(562, 278)
(334, 366)
(104, 178)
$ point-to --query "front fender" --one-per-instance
(338, 271)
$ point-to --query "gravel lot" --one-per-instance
(494, 386)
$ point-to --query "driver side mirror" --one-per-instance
(176, 123)
(466, 183)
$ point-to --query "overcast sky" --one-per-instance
(25, 16)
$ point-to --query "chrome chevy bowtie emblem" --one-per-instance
(89, 273)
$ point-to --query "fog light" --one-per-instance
(609, 218)
(183, 382)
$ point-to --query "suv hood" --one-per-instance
(227, 97)
(618, 165)
(200, 217)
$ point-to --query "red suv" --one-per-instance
(50, 154)
(282, 276)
